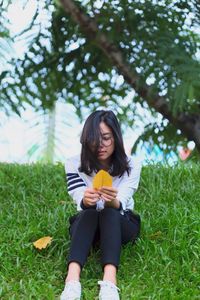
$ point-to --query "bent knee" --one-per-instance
(89, 212)
(110, 211)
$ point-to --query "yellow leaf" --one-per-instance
(97, 180)
(107, 179)
(102, 178)
(43, 242)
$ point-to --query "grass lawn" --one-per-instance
(164, 264)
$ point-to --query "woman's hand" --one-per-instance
(109, 195)
(90, 197)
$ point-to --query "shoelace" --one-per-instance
(108, 284)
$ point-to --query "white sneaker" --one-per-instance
(108, 291)
(72, 291)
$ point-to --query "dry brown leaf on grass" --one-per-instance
(102, 178)
(42, 242)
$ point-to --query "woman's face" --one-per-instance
(107, 144)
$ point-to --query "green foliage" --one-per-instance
(4, 32)
(160, 134)
(6, 54)
(164, 264)
(158, 41)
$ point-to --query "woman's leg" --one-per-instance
(115, 230)
(74, 271)
(82, 235)
(110, 272)
(130, 227)
(110, 242)
(82, 232)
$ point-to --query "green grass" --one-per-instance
(164, 264)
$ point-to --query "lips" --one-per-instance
(101, 152)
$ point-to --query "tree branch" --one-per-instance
(188, 124)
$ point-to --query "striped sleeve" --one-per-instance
(74, 181)
(75, 184)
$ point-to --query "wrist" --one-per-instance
(83, 205)
(115, 204)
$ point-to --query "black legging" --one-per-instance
(108, 226)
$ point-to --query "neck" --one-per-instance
(105, 165)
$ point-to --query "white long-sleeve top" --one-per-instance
(126, 185)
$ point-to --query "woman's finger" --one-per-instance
(92, 191)
(109, 188)
(107, 198)
(89, 201)
(111, 198)
(92, 198)
(109, 192)
(91, 195)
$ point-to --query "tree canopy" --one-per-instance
(94, 53)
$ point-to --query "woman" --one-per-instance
(105, 215)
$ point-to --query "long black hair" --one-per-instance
(90, 140)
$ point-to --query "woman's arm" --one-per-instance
(118, 197)
(129, 183)
(75, 185)
(109, 195)
(90, 198)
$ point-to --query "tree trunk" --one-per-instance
(189, 124)
(50, 144)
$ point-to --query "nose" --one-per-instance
(101, 145)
